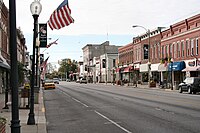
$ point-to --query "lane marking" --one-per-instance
(75, 99)
(80, 102)
(127, 131)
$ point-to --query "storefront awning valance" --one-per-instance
(144, 68)
(128, 69)
(195, 68)
(154, 67)
(3, 63)
(176, 66)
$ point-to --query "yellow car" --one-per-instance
(49, 84)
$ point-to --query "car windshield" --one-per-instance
(189, 80)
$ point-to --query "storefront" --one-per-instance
(192, 68)
(154, 72)
(4, 70)
(162, 68)
(175, 68)
(144, 73)
(127, 74)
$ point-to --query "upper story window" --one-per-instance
(170, 50)
(162, 51)
(175, 52)
(179, 49)
(158, 50)
(197, 46)
(167, 50)
(114, 63)
(183, 49)
(192, 47)
(187, 48)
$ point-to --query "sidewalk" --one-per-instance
(39, 111)
(143, 87)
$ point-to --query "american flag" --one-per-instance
(61, 17)
(54, 42)
(44, 66)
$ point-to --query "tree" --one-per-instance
(67, 67)
(21, 72)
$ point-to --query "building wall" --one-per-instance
(174, 40)
(96, 50)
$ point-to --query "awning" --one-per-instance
(176, 66)
(144, 68)
(162, 68)
(137, 66)
(117, 70)
(3, 63)
(154, 67)
(128, 69)
(195, 68)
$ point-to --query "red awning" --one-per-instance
(117, 70)
(128, 69)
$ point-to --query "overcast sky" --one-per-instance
(100, 20)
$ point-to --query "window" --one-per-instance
(175, 52)
(187, 48)
(183, 48)
(158, 51)
(104, 63)
(114, 62)
(155, 53)
(179, 49)
(166, 50)
(170, 48)
(197, 46)
(192, 47)
(162, 51)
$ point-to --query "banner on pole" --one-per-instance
(43, 35)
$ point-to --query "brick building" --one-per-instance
(4, 46)
(174, 53)
(180, 44)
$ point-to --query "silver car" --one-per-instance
(83, 80)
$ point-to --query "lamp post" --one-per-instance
(172, 77)
(149, 61)
(35, 8)
(15, 122)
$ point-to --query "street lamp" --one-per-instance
(172, 77)
(15, 122)
(149, 61)
(35, 8)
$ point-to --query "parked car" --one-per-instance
(56, 80)
(78, 81)
(49, 84)
(83, 80)
(190, 85)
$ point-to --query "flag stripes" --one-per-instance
(61, 17)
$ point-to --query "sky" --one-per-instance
(97, 21)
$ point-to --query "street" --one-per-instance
(100, 108)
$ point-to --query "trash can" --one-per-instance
(36, 94)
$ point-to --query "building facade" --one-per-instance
(173, 53)
(91, 51)
(4, 47)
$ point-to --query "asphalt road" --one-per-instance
(98, 108)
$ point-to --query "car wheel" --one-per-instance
(180, 90)
(189, 90)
